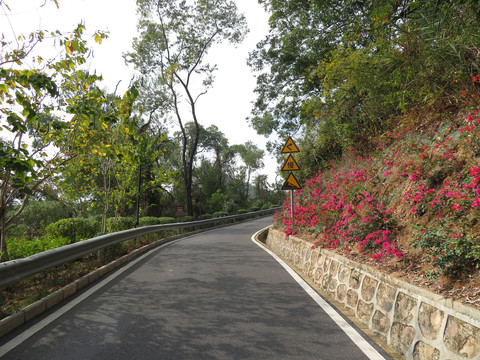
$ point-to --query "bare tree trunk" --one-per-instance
(3, 242)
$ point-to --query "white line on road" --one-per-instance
(357, 339)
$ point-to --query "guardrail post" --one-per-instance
(100, 253)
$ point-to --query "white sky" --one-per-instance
(226, 105)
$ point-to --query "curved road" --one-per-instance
(216, 295)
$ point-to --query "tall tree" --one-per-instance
(224, 154)
(175, 37)
(252, 158)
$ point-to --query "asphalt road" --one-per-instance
(216, 295)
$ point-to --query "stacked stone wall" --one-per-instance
(417, 323)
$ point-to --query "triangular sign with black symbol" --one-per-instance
(290, 164)
(291, 183)
(290, 146)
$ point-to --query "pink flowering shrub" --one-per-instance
(420, 191)
(342, 213)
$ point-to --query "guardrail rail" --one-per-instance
(16, 270)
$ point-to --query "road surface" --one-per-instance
(215, 295)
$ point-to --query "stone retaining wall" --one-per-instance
(418, 324)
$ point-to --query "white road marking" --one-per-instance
(357, 339)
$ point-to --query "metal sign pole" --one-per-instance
(291, 204)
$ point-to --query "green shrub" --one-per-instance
(167, 220)
(115, 224)
(150, 220)
(22, 247)
(74, 229)
(231, 207)
(206, 217)
(449, 253)
(36, 216)
(188, 219)
(242, 211)
(217, 201)
(220, 214)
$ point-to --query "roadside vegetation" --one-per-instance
(382, 99)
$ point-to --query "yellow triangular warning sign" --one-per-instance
(290, 146)
(290, 164)
(291, 183)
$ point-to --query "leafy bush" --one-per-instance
(37, 215)
(449, 253)
(115, 224)
(74, 229)
(220, 214)
(188, 219)
(167, 220)
(206, 217)
(21, 247)
(150, 220)
(217, 201)
(231, 207)
(242, 211)
(266, 206)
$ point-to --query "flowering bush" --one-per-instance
(449, 253)
(420, 191)
(338, 208)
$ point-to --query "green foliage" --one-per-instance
(217, 201)
(343, 72)
(30, 101)
(148, 220)
(231, 207)
(74, 229)
(36, 216)
(188, 219)
(449, 253)
(115, 224)
(256, 207)
(22, 247)
(218, 214)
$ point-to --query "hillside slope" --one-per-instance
(410, 208)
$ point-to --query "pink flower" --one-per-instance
(476, 202)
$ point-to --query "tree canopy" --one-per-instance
(342, 71)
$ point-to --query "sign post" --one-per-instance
(291, 165)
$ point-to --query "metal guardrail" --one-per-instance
(16, 270)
